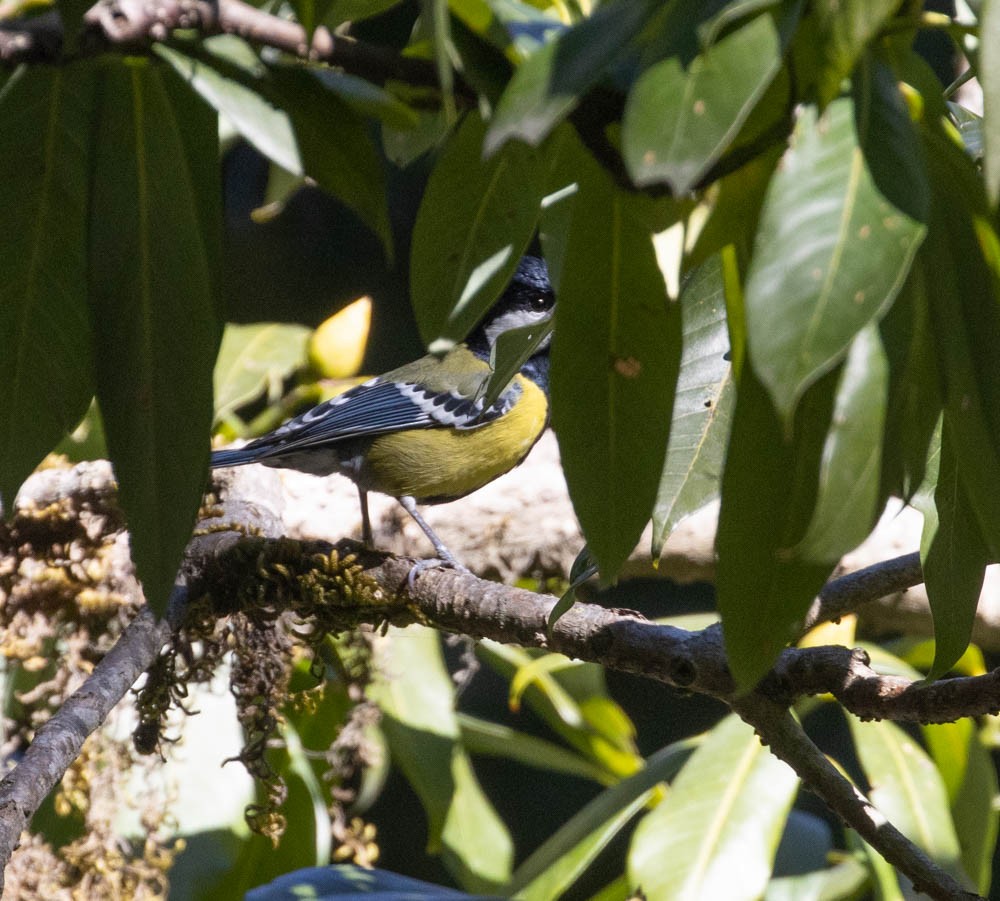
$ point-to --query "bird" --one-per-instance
(422, 433)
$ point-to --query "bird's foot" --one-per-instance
(434, 563)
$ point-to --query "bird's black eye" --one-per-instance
(540, 303)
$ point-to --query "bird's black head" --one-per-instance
(528, 299)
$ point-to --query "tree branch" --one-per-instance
(781, 732)
(131, 24)
(58, 742)
(457, 602)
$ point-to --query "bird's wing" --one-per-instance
(376, 408)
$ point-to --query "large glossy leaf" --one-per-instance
(844, 28)
(954, 558)
(615, 358)
(549, 84)
(556, 864)
(254, 360)
(769, 489)
(702, 406)
(418, 718)
(847, 500)
(715, 834)
(961, 263)
(474, 223)
(989, 78)
(907, 788)
(830, 247)
(152, 283)
(46, 379)
(680, 119)
(971, 782)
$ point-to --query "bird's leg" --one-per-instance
(366, 522)
(446, 556)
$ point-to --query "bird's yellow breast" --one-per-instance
(442, 464)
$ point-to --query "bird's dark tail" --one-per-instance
(234, 456)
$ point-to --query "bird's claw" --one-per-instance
(433, 563)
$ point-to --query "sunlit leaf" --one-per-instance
(679, 119)
(255, 360)
(847, 500)
(721, 821)
(418, 718)
(907, 788)
(845, 879)
(549, 84)
(971, 782)
(554, 866)
(702, 406)
(831, 247)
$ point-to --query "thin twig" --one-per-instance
(58, 742)
(781, 732)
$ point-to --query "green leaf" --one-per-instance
(561, 860)
(356, 10)
(970, 779)
(844, 28)
(846, 879)
(887, 138)
(549, 84)
(680, 119)
(437, 24)
(255, 360)
(335, 144)
(513, 27)
(831, 247)
(703, 406)
(46, 380)
(769, 488)
(311, 13)
(848, 498)
(734, 211)
(225, 71)
(961, 262)
(473, 226)
(989, 78)
(291, 117)
(154, 302)
(368, 99)
(418, 719)
(615, 359)
(496, 740)
(914, 405)
(907, 788)
(572, 701)
(721, 821)
(954, 558)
